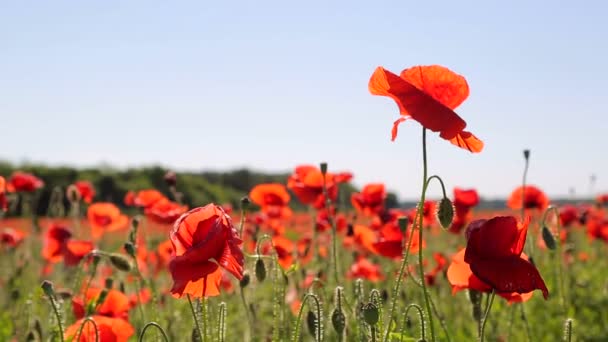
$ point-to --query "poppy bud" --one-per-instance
(130, 248)
(403, 221)
(72, 194)
(527, 154)
(47, 287)
(311, 322)
(350, 230)
(370, 313)
(445, 212)
(96, 259)
(194, 336)
(338, 321)
(475, 299)
(31, 337)
(170, 178)
(102, 298)
(121, 287)
(260, 270)
(323, 167)
(548, 238)
(120, 262)
(109, 283)
(245, 280)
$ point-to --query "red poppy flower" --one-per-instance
(465, 198)
(494, 249)
(392, 241)
(109, 329)
(429, 95)
(165, 252)
(428, 214)
(602, 199)
(164, 211)
(11, 237)
(58, 244)
(284, 248)
(129, 199)
(24, 182)
(115, 305)
(105, 217)
(270, 194)
(370, 200)
(86, 190)
(204, 239)
(307, 184)
(568, 215)
(365, 269)
(147, 198)
(441, 263)
(531, 197)
(461, 277)
(3, 200)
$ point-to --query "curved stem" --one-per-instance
(157, 326)
(201, 336)
(221, 323)
(485, 316)
(296, 332)
(84, 322)
(421, 317)
(428, 181)
(420, 229)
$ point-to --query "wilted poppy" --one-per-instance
(11, 237)
(105, 217)
(429, 95)
(494, 249)
(165, 211)
(24, 182)
(530, 196)
(370, 200)
(204, 239)
(109, 329)
(365, 269)
(86, 190)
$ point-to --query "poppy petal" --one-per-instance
(416, 103)
(467, 141)
(199, 280)
(396, 127)
(512, 274)
(441, 83)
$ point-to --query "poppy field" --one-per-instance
(302, 259)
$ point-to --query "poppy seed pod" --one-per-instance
(47, 287)
(323, 167)
(245, 202)
(403, 222)
(371, 315)
(445, 212)
(312, 322)
(109, 283)
(130, 248)
(527, 154)
(338, 320)
(260, 270)
(120, 262)
(170, 178)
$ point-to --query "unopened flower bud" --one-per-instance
(371, 315)
(47, 287)
(548, 238)
(338, 320)
(445, 212)
(403, 221)
(245, 202)
(260, 270)
(323, 167)
(130, 249)
(120, 262)
(245, 280)
(109, 283)
(527, 154)
(311, 322)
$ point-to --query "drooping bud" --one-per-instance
(120, 262)
(260, 270)
(323, 167)
(245, 280)
(403, 222)
(311, 322)
(445, 212)
(109, 283)
(371, 315)
(338, 319)
(548, 238)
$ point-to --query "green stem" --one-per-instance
(246, 308)
(296, 332)
(485, 316)
(421, 318)
(373, 329)
(201, 336)
(58, 316)
(221, 323)
(87, 320)
(525, 319)
(334, 245)
(420, 229)
(157, 326)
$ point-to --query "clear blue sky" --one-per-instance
(224, 84)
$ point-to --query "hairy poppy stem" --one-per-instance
(558, 256)
(201, 336)
(332, 223)
(420, 228)
(485, 316)
(157, 326)
(319, 328)
(246, 307)
(420, 316)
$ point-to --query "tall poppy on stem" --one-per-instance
(204, 239)
(24, 182)
(429, 95)
(530, 196)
